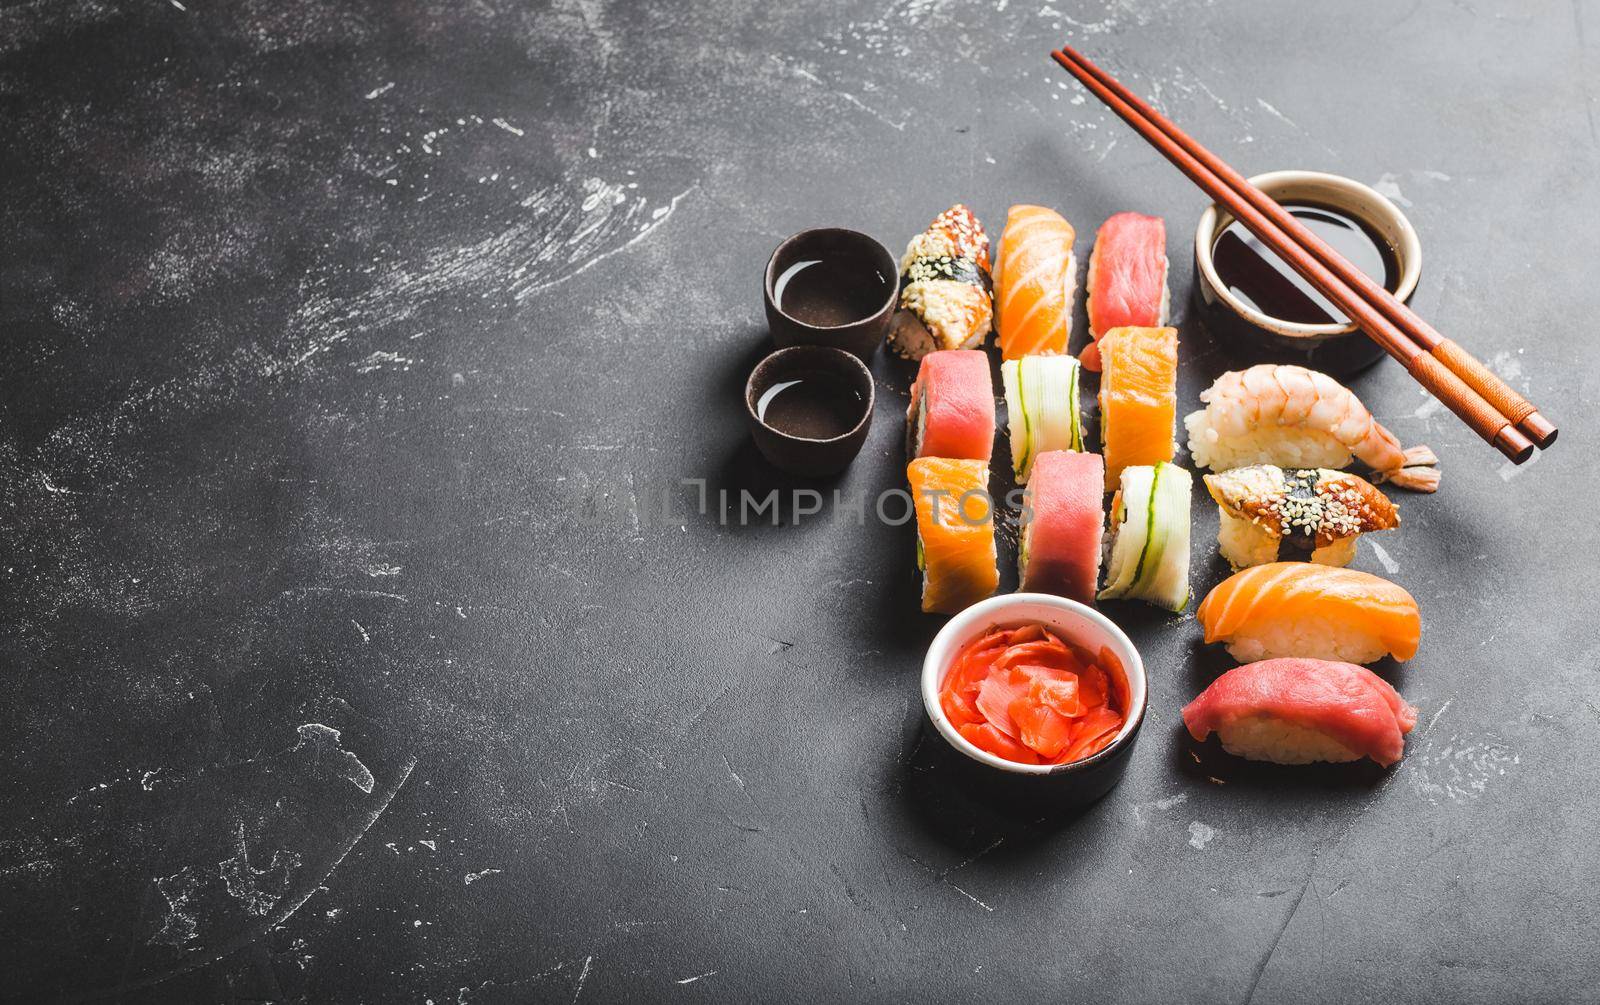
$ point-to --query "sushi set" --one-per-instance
(1041, 682)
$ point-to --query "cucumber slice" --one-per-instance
(1017, 418)
(922, 556)
(1042, 406)
(1150, 546)
(1130, 532)
(1164, 581)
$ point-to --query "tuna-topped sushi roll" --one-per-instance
(955, 532)
(952, 406)
(1063, 512)
(946, 295)
(1314, 514)
(1127, 279)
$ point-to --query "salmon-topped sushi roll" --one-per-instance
(1138, 398)
(946, 297)
(1034, 278)
(955, 532)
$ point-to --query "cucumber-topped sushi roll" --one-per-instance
(1150, 537)
(1041, 408)
(1311, 514)
(1063, 511)
(955, 532)
(952, 406)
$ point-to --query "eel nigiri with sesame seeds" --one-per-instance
(1312, 514)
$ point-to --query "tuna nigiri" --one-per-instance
(1315, 611)
(1127, 281)
(952, 406)
(945, 300)
(1063, 514)
(955, 532)
(1138, 398)
(1034, 279)
(1295, 711)
(1298, 418)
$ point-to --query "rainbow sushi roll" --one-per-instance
(952, 407)
(955, 532)
(1308, 514)
(1041, 408)
(1150, 537)
(1063, 512)
(1127, 283)
(946, 294)
(1311, 611)
(1297, 711)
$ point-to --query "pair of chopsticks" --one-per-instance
(1471, 390)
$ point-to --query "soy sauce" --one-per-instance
(811, 404)
(832, 291)
(1256, 275)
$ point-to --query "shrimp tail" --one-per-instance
(1419, 472)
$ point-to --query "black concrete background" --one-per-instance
(349, 347)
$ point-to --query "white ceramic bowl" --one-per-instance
(1074, 622)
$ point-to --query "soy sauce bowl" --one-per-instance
(847, 398)
(1076, 783)
(850, 310)
(1253, 337)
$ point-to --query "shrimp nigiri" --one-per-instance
(1298, 418)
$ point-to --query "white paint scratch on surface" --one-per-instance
(698, 977)
(180, 925)
(1389, 564)
(1200, 835)
(583, 976)
(1459, 770)
(1389, 186)
(1275, 113)
(326, 754)
(1511, 469)
(472, 877)
(508, 127)
(1171, 801)
(382, 89)
(970, 897)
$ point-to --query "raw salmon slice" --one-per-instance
(1138, 398)
(1034, 278)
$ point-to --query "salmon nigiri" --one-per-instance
(1034, 279)
(955, 532)
(1138, 398)
(1295, 711)
(1314, 611)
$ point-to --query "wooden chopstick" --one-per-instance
(1460, 362)
(1473, 408)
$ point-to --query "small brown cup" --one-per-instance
(798, 454)
(863, 295)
